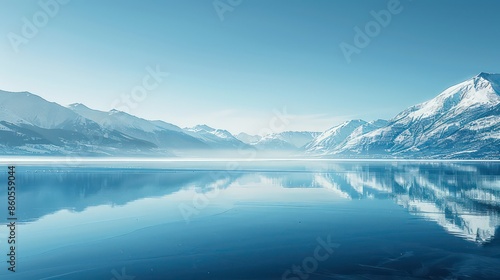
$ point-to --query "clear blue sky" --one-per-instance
(265, 55)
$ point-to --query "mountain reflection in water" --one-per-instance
(71, 207)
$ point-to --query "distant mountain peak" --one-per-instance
(378, 121)
(114, 112)
(488, 76)
(78, 105)
(485, 80)
(354, 122)
(25, 93)
(22, 93)
(247, 138)
(203, 127)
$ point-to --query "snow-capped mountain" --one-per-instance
(287, 140)
(461, 122)
(334, 136)
(296, 138)
(27, 109)
(162, 134)
(247, 138)
(271, 143)
(216, 138)
(32, 125)
(358, 132)
(118, 120)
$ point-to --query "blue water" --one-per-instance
(256, 220)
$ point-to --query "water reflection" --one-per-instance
(464, 199)
(399, 219)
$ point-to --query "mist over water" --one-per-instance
(258, 220)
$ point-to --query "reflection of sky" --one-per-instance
(107, 221)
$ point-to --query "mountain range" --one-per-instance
(462, 122)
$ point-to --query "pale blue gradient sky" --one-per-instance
(265, 55)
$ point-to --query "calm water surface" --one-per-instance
(266, 220)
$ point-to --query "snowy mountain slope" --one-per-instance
(361, 130)
(32, 139)
(297, 138)
(162, 134)
(24, 108)
(461, 122)
(216, 138)
(166, 125)
(247, 138)
(479, 92)
(273, 143)
(287, 140)
(32, 124)
(120, 120)
(330, 139)
(366, 128)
